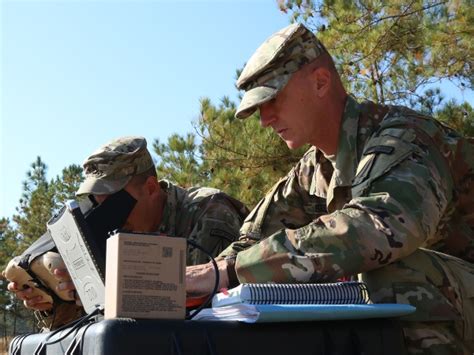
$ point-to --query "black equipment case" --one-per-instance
(128, 337)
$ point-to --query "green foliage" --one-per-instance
(39, 200)
(36, 205)
(179, 160)
(458, 116)
(390, 51)
(64, 187)
(8, 244)
(239, 157)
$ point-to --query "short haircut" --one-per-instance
(324, 60)
(140, 179)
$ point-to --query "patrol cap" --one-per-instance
(113, 165)
(271, 66)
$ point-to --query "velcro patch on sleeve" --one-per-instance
(383, 149)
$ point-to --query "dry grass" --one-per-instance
(4, 345)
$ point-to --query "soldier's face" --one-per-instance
(145, 216)
(292, 113)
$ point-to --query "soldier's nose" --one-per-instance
(267, 115)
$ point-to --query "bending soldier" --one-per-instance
(204, 215)
(384, 192)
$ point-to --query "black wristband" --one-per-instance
(231, 274)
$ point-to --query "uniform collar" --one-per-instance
(169, 212)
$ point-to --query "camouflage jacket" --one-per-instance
(204, 215)
(399, 181)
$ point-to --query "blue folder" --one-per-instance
(288, 313)
(295, 313)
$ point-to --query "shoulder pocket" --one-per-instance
(381, 154)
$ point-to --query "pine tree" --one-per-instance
(36, 205)
(40, 199)
(64, 187)
(394, 51)
(179, 160)
(239, 156)
(459, 116)
(14, 317)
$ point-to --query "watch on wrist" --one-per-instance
(231, 274)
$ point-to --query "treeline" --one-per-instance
(394, 52)
(40, 199)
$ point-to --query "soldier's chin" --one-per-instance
(293, 144)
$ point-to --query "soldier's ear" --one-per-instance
(152, 186)
(321, 79)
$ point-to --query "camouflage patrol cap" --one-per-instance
(271, 66)
(113, 165)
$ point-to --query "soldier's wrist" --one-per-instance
(231, 273)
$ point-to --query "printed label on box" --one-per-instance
(145, 276)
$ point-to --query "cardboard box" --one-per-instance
(145, 277)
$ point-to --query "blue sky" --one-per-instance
(75, 74)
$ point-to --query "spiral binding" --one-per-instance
(351, 292)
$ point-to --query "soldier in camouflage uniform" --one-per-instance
(384, 193)
(204, 215)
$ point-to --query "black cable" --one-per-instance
(75, 325)
(16, 343)
(77, 342)
(216, 284)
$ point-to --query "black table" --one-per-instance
(127, 336)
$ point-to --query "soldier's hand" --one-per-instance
(200, 279)
(65, 283)
(29, 300)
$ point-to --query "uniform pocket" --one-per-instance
(380, 156)
(461, 273)
(431, 304)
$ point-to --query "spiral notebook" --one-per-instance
(329, 293)
(252, 303)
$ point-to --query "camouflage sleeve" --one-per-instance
(215, 226)
(288, 204)
(399, 196)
